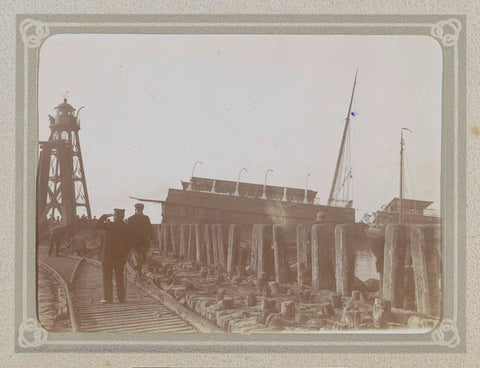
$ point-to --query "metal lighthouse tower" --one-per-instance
(61, 185)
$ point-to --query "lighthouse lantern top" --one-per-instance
(65, 107)
(65, 113)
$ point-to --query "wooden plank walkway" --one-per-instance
(139, 313)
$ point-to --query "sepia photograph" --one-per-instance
(239, 183)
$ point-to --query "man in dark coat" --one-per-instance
(58, 234)
(113, 253)
(141, 230)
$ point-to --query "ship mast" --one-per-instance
(342, 147)
(400, 205)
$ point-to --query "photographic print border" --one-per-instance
(449, 30)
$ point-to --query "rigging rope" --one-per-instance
(412, 182)
(354, 139)
(384, 187)
(325, 131)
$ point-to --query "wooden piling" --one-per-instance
(233, 248)
(345, 259)
(175, 239)
(158, 235)
(394, 264)
(323, 257)
(166, 238)
(213, 228)
(207, 233)
(200, 244)
(183, 238)
(192, 246)
(426, 268)
(279, 253)
(409, 300)
(265, 251)
(254, 250)
(304, 264)
(222, 245)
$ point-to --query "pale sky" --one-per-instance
(155, 104)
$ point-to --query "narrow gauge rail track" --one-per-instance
(141, 313)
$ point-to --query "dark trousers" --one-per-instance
(140, 256)
(54, 245)
(109, 270)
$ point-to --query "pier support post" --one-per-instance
(200, 243)
(345, 259)
(166, 238)
(162, 240)
(222, 244)
(279, 253)
(265, 252)
(207, 234)
(254, 251)
(304, 263)
(214, 244)
(192, 246)
(184, 230)
(233, 248)
(174, 238)
(409, 300)
(394, 264)
(425, 242)
(158, 235)
(323, 257)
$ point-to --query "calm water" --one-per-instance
(365, 265)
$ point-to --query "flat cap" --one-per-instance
(119, 211)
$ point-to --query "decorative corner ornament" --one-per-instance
(446, 334)
(31, 334)
(33, 39)
(447, 31)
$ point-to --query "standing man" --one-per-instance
(321, 218)
(113, 253)
(58, 234)
(141, 230)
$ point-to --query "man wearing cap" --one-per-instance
(141, 230)
(113, 253)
